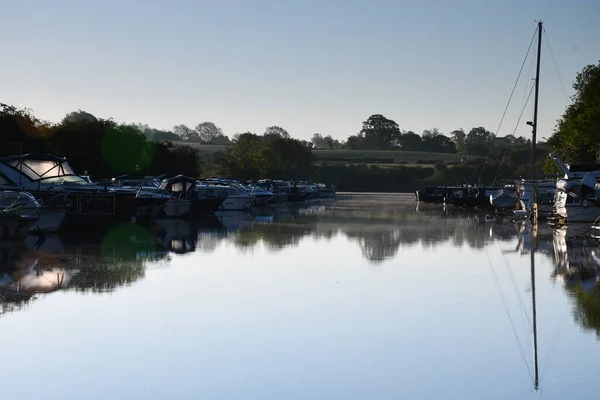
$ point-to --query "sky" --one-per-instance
(307, 66)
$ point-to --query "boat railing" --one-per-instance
(16, 204)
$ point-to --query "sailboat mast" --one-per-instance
(534, 308)
(535, 106)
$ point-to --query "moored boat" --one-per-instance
(48, 177)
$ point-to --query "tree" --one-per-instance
(160, 135)
(410, 141)
(79, 116)
(329, 142)
(430, 133)
(355, 142)
(208, 132)
(379, 132)
(318, 141)
(145, 130)
(276, 131)
(577, 133)
(458, 136)
(479, 141)
(126, 150)
(185, 133)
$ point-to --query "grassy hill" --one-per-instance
(387, 157)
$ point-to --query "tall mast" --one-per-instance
(535, 106)
(533, 306)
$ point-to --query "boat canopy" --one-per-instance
(179, 183)
(38, 167)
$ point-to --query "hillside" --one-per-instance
(356, 156)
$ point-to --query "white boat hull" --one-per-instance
(237, 203)
(573, 213)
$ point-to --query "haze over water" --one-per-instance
(363, 297)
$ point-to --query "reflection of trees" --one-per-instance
(577, 261)
(102, 275)
(379, 232)
(275, 236)
(208, 241)
(378, 246)
(586, 310)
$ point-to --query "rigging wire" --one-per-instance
(517, 81)
(553, 341)
(531, 80)
(555, 64)
(523, 110)
(508, 314)
(514, 283)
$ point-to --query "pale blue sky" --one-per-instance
(308, 66)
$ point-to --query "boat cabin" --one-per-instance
(38, 168)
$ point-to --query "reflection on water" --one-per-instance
(386, 228)
(379, 225)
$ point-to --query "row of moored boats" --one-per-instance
(41, 192)
(575, 197)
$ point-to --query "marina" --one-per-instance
(216, 200)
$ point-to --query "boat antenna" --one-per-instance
(534, 124)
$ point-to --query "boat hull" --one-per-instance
(261, 201)
(93, 204)
(51, 219)
(571, 209)
(206, 205)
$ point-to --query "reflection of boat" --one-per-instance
(176, 235)
(18, 214)
(502, 230)
(234, 220)
(49, 217)
(576, 256)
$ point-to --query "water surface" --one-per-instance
(364, 297)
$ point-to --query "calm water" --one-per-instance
(364, 297)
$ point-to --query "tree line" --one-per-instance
(107, 148)
(377, 133)
(100, 146)
(577, 133)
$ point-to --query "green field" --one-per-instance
(380, 157)
(384, 157)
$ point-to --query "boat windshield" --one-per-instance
(69, 179)
(50, 171)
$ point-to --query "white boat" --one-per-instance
(238, 197)
(540, 192)
(48, 218)
(504, 199)
(577, 196)
(176, 205)
(48, 177)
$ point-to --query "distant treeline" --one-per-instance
(105, 148)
